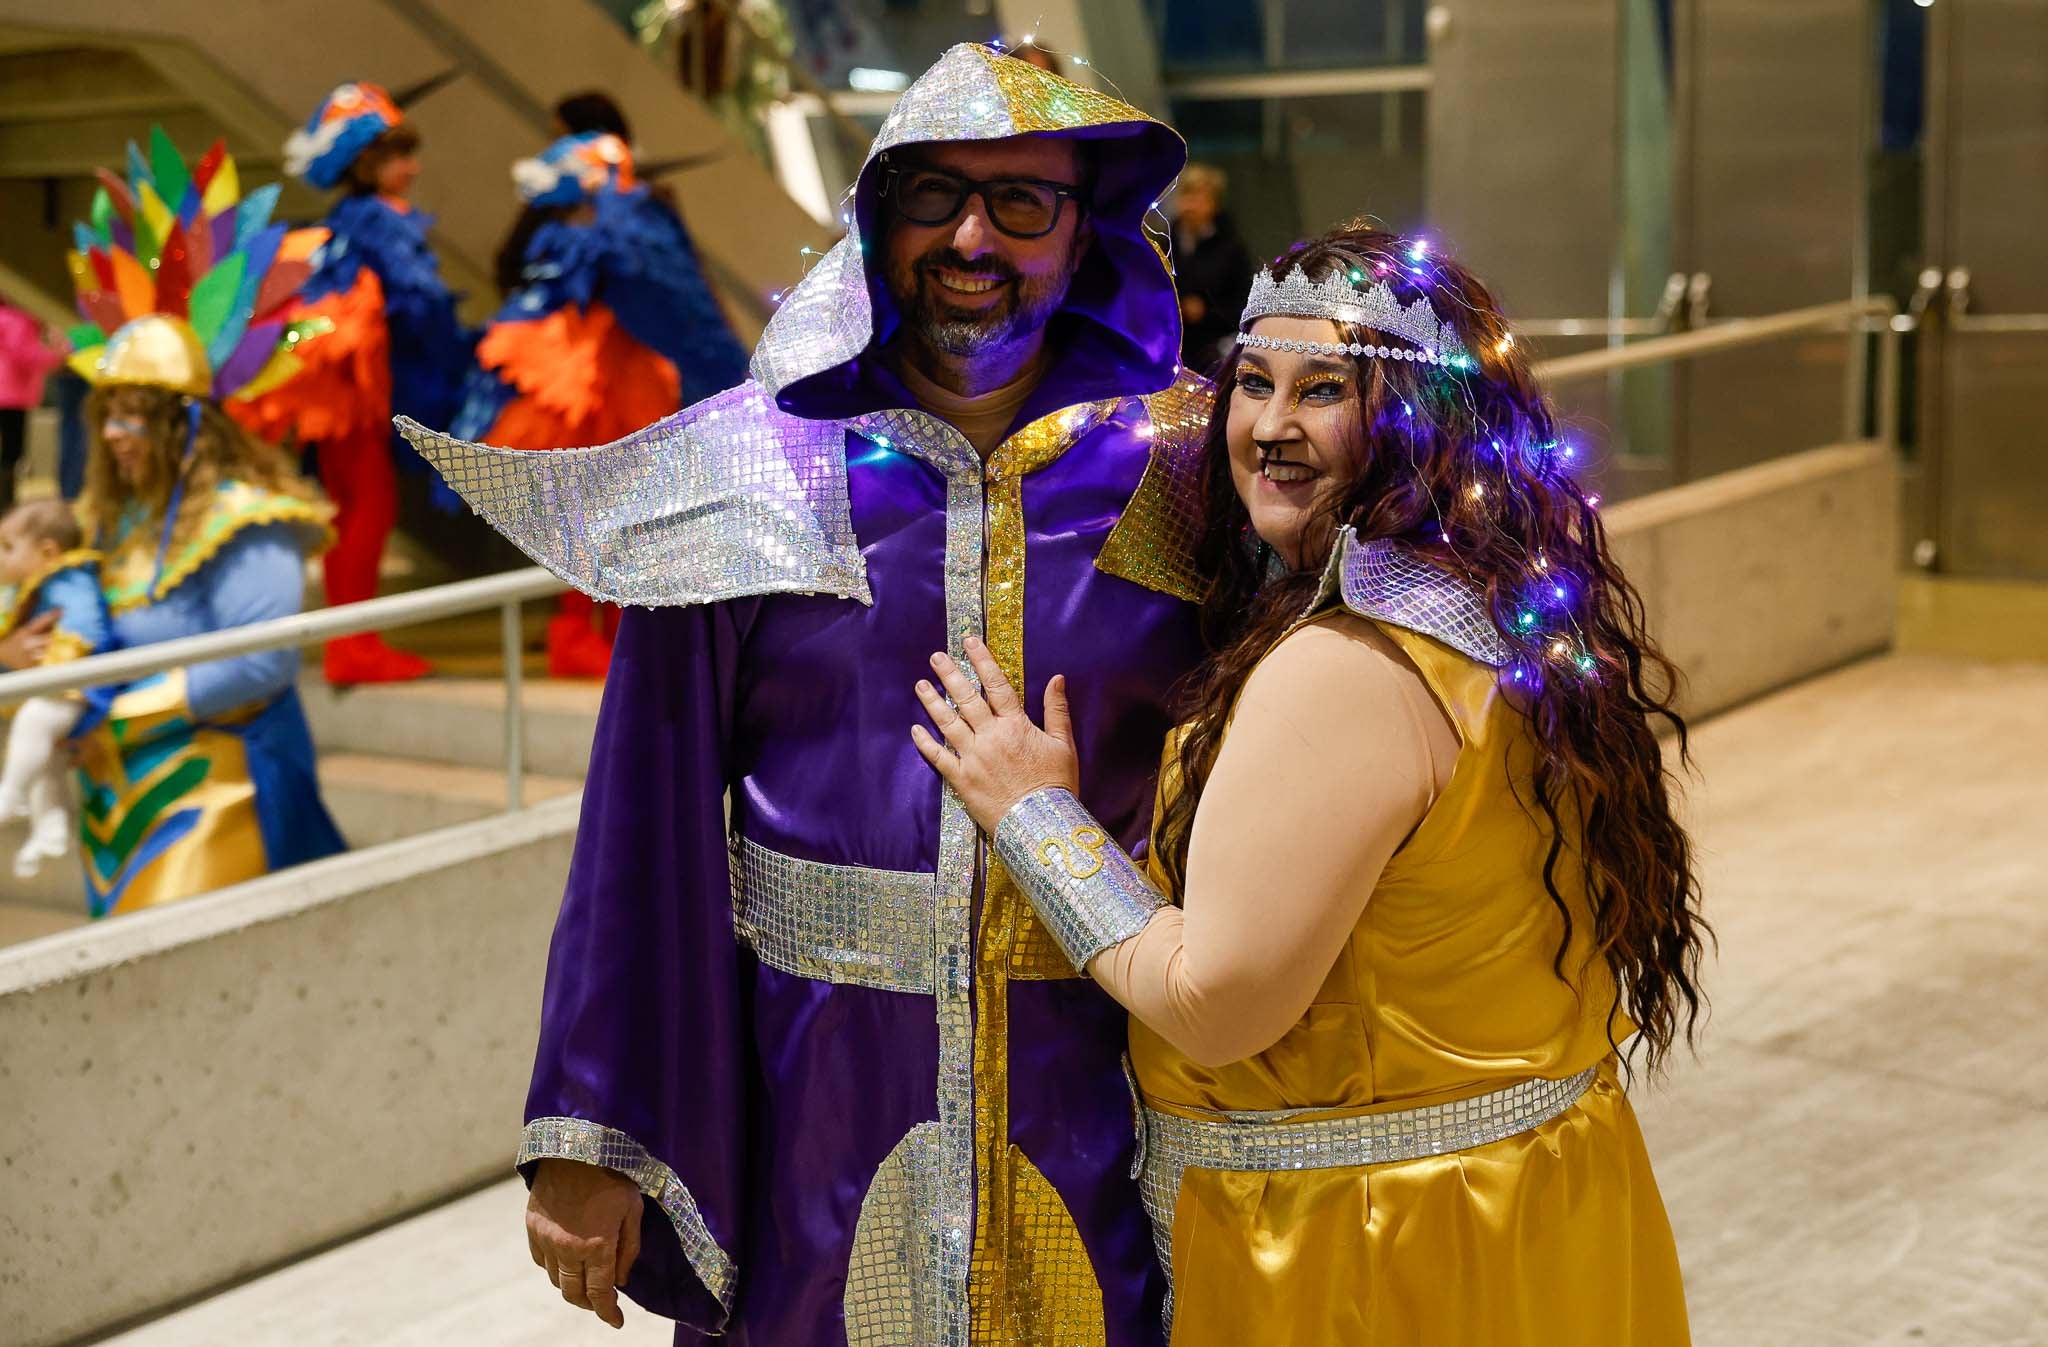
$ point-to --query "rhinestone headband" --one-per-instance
(1335, 298)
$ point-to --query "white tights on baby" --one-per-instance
(32, 783)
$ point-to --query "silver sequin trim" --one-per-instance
(1357, 348)
(1266, 1142)
(1087, 891)
(837, 923)
(1385, 581)
(942, 1314)
(594, 1144)
(727, 498)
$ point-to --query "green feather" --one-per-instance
(102, 214)
(213, 298)
(167, 166)
(84, 335)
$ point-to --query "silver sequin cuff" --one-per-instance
(1089, 893)
(594, 1144)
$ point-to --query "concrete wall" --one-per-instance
(1760, 577)
(197, 1092)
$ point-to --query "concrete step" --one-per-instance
(28, 921)
(377, 799)
(456, 720)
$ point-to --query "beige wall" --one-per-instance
(1760, 577)
(196, 1092)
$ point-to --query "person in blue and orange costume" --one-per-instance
(46, 569)
(612, 328)
(396, 346)
(203, 776)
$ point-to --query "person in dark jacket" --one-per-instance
(1210, 266)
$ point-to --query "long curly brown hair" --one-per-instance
(1467, 467)
(221, 452)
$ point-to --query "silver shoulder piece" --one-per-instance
(1389, 583)
(728, 498)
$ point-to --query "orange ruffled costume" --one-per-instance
(580, 378)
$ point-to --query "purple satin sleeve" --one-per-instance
(642, 1024)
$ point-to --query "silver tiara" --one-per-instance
(1337, 299)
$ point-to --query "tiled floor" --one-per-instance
(1859, 1156)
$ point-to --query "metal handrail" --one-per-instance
(1859, 316)
(1591, 327)
(1722, 335)
(504, 591)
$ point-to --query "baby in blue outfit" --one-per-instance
(44, 569)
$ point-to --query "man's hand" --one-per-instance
(583, 1226)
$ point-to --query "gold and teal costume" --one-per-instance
(203, 776)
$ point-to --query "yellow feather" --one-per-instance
(155, 214)
(225, 189)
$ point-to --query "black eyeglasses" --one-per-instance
(1023, 208)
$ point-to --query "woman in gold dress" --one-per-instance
(1416, 900)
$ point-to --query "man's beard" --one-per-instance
(1027, 302)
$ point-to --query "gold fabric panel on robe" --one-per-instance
(1041, 101)
(1153, 543)
(1030, 1280)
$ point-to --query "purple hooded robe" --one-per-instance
(866, 1098)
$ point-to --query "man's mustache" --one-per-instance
(953, 261)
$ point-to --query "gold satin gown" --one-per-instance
(1550, 1238)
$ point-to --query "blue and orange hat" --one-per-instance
(340, 129)
(575, 169)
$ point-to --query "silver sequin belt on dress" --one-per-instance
(1267, 1142)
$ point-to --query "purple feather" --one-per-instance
(124, 234)
(254, 352)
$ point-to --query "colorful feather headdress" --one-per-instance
(184, 282)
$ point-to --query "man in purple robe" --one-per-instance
(813, 1073)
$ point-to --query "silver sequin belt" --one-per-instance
(835, 923)
(1267, 1142)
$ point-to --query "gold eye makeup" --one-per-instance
(1324, 388)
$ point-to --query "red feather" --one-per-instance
(174, 274)
(104, 308)
(209, 165)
